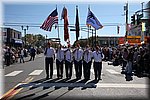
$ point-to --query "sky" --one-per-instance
(108, 13)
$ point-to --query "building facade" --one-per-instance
(112, 41)
(11, 37)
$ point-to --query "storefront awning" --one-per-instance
(17, 41)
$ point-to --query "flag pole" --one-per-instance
(58, 29)
(88, 29)
(95, 37)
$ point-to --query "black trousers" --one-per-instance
(97, 69)
(78, 68)
(59, 65)
(49, 61)
(68, 68)
(7, 60)
(86, 69)
(32, 57)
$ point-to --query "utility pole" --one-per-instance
(142, 6)
(25, 30)
(143, 26)
(126, 10)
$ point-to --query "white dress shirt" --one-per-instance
(60, 55)
(22, 52)
(98, 56)
(88, 56)
(78, 54)
(69, 55)
(50, 52)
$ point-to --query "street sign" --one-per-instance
(143, 27)
(72, 29)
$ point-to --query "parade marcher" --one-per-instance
(32, 53)
(87, 61)
(49, 58)
(21, 54)
(59, 61)
(68, 62)
(98, 56)
(78, 55)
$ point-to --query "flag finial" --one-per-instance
(89, 7)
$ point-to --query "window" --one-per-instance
(4, 34)
(18, 36)
(14, 35)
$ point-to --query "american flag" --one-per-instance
(50, 21)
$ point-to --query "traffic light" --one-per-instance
(139, 16)
(133, 19)
(118, 28)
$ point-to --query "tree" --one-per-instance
(35, 40)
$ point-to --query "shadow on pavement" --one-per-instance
(56, 84)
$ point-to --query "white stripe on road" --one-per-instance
(112, 71)
(115, 85)
(36, 72)
(14, 73)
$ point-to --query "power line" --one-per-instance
(60, 25)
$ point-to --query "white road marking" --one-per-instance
(36, 72)
(112, 71)
(115, 85)
(14, 73)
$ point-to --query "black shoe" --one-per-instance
(47, 77)
(78, 78)
(99, 79)
(60, 76)
(51, 77)
(86, 79)
(67, 78)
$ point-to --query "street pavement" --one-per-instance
(26, 81)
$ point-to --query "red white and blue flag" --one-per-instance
(50, 21)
